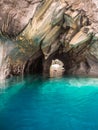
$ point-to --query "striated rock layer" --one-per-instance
(35, 32)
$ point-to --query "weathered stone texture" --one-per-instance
(46, 30)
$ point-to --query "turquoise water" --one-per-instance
(36, 103)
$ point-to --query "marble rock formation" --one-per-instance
(35, 32)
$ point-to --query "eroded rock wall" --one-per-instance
(91, 9)
(16, 14)
(46, 30)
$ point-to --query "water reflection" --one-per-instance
(8, 88)
(82, 82)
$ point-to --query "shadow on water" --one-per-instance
(11, 87)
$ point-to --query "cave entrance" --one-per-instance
(35, 64)
(63, 57)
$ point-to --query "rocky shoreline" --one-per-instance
(37, 32)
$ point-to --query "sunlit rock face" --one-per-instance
(35, 32)
(56, 68)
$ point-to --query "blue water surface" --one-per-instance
(38, 103)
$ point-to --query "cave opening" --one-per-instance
(35, 64)
(36, 67)
(59, 55)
